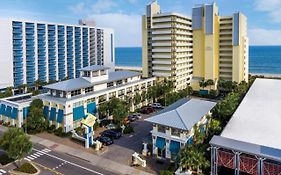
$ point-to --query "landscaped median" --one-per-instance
(26, 168)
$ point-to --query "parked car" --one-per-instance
(156, 106)
(146, 110)
(134, 117)
(111, 126)
(105, 140)
(114, 134)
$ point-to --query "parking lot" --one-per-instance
(122, 149)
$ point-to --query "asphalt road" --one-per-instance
(63, 164)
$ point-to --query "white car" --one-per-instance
(156, 106)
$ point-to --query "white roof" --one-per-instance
(257, 120)
(183, 116)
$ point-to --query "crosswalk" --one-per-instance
(36, 155)
(2, 172)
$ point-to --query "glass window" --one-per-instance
(176, 132)
(161, 128)
(89, 89)
(110, 84)
(76, 92)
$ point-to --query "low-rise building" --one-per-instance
(250, 143)
(67, 102)
(173, 126)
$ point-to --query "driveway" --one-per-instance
(122, 149)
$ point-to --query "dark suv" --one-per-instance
(112, 134)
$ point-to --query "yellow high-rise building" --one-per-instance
(220, 46)
(167, 46)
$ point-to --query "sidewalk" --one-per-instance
(91, 158)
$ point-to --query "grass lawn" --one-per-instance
(27, 168)
(4, 159)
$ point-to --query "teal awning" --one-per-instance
(160, 143)
(46, 111)
(53, 114)
(91, 108)
(78, 113)
(9, 111)
(2, 109)
(15, 113)
(60, 116)
(174, 147)
(25, 112)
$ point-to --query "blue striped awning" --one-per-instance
(53, 114)
(60, 116)
(160, 143)
(25, 112)
(46, 111)
(78, 113)
(15, 113)
(174, 147)
(2, 109)
(91, 108)
(9, 111)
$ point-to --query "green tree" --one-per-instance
(203, 84)
(198, 136)
(137, 99)
(166, 172)
(35, 119)
(213, 127)
(193, 159)
(120, 112)
(16, 143)
(9, 92)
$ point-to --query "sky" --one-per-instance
(124, 16)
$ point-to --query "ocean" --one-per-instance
(262, 59)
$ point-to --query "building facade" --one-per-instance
(220, 45)
(173, 127)
(67, 102)
(167, 46)
(31, 51)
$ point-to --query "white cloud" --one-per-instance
(103, 6)
(272, 7)
(259, 36)
(127, 28)
(79, 8)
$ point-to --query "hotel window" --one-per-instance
(119, 82)
(76, 92)
(161, 129)
(87, 74)
(91, 100)
(110, 84)
(89, 89)
(175, 132)
(77, 104)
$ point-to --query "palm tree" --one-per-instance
(193, 159)
(203, 84)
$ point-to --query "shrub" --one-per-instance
(128, 129)
(51, 129)
(213, 93)
(59, 132)
(27, 168)
(166, 172)
(96, 126)
(4, 159)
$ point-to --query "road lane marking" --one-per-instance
(35, 154)
(31, 158)
(2, 171)
(27, 159)
(47, 168)
(71, 163)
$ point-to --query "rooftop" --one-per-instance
(94, 68)
(183, 114)
(79, 83)
(257, 119)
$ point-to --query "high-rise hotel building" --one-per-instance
(220, 45)
(31, 51)
(167, 46)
